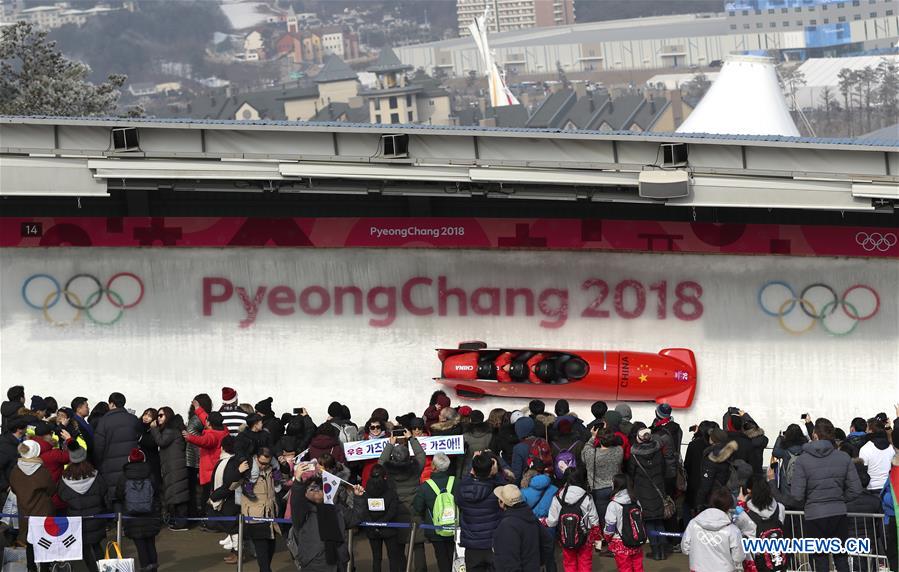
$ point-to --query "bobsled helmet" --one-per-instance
(518, 370)
(575, 368)
(546, 370)
(486, 369)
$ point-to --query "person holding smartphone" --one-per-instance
(404, 471)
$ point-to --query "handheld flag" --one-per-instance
(330, 485)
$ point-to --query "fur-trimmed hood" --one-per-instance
(723, 453)
(447, 425)
(755, 432)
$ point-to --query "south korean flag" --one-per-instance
(55, 538)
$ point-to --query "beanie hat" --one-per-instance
(229, 395)
(644, 435)
(406, 420)
(598, 409)
(335, 409)
(265, 406)
(443, 401)
(38, 403)
(465, 411)
(29, 449)
(562, 407)
(253, 419)
(515, 416)
(76, 453)
(136, 456)
(524, 427)
(41, 428)
(663, 411)
(624, 410)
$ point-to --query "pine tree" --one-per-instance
(888, 92)
(37, 79)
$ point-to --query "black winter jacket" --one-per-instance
(503, 441)
(480, 511)
(9, 453)
(117, 433)
(693, 467)
(9, 409)
(391, 512)
(716, 463)
(516, 541)
(274, 427)
(145, 525)
(649, 456)
(757, 443)
(86, 497)
(173, 464)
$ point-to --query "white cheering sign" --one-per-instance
(371, 449)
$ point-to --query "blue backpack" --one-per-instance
(564, 459)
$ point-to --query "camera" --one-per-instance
(398, 433)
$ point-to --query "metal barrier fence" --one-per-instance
(861, 525)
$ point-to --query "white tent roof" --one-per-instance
(824, 72)
(746, 99)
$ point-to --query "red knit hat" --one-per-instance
(443, 401)
(229, 395)
(465, 411)
(136, 456)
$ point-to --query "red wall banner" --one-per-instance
(476, 233)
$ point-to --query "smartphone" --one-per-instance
(693, 428)
(804, 416)
(398, 433)
(298, 410)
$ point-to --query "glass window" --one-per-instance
(394, 117)
(770, 10)
(786, 24)
(857, 17)
(841, 19)
(873, 14)
(784, 10)
(408, 99)
(745, 12)
(377, 104)
(410, 117)
(758, 24)
(797, 9)
(856, 2)
(733, 26)
(392, 102)
(773, 24)
(377, 117)
(824, 6)
(889, 12)
(827, 20)
(813, 22)
(746, 26)
(798, 22)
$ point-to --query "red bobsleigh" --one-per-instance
(474, 371)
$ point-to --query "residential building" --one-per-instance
(290, 43)
(399, 99)
(335, 83)
(53, 16)
(515, 14)
(254, 47)
(312, 48)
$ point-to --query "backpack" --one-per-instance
(564, 459)
(443, 513)
(138, 496)
(572, 528)
(540, 456)
(785, 474)
(633, 533)
(346, 432)
(770, 527)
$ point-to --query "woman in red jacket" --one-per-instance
(209, 443)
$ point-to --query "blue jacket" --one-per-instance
(886, 500)
(524, 428)
(480, 511)
(539, 495)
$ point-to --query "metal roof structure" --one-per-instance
(47, 156)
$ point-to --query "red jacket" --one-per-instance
(532, 363)
(503, 360)
(210, 444)
(55, 461)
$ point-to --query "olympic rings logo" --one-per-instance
(876, 241)
(69, 294)
(788, 300)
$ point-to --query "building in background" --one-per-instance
(508, 15)
(400, 99)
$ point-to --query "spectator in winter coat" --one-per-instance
(9, 449)
(598, 409)
(319, 529)
(627, 558)
(858, 433)
(210, 444)
(234, 417)
(480, 512)
(516, 541)
(573, 493)
(195, 427)
(326, 440)
(81, 409)
(147, 444)
(757, 443)
(405, 473)
(270, 423)
(263, 504)
(602, 458)
(145, 526)
(733, 424)
(787, 447)
(824, 479)
(722, 549)
(167, 432)
(338, 416)
(625, 425)
(54, 459)
(504, 437)
(439, 400)
(646, 468)
(613, 423)
(84, 492)
(877, 454)
(888, 507)
(524, 429)
(539, 494)
(34, 488)
(693, 465)
(15, 396)
(97, 414)
(716, 464)
(477, 436)
(381, 504)
(423, 505)
(116, 435)
(566, 438)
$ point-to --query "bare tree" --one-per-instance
(830, 105)
(846, 83)
(867, 83)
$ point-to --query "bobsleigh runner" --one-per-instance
(475, 371)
